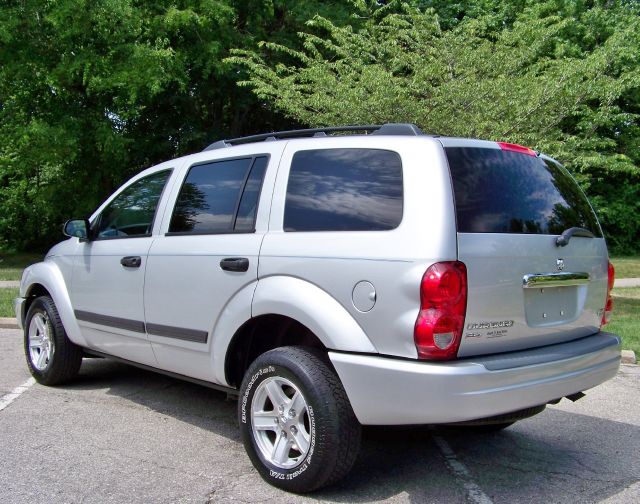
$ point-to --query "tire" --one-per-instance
(321, 435)
(51, 357)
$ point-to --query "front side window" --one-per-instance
(344, 190)
(131, 213)
(219, 197)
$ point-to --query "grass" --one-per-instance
(6, 302)
(11, 265)
(627, 267)
(626, 318)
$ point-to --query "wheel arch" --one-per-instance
(34, 291)
(261, 334)
(289, 311)
(45, 278)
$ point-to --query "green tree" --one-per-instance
(561, 76)
(92, 91)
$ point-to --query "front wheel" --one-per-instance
(296, 421)
(51, 357)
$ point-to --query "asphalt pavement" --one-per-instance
(119, 434)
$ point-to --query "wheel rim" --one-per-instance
(40, 341)
(280, 422)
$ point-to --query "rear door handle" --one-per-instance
(131, 261)
(235, 264)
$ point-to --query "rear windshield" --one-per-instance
(498, 191)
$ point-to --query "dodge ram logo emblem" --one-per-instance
(560, 264)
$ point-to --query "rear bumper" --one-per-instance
(388, 391)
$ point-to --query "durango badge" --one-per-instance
(490, 325)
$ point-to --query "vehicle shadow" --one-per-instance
(200, 406)
(556, 456)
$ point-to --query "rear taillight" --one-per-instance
(608, 307)
(443, 305)
(517, 148)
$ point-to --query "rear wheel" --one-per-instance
(51, 357)
(296, 422)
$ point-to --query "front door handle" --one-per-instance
(235, 264)
(131, 261)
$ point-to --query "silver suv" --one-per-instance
(333, 278)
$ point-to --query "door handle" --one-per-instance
(131, 261)
(235, 264)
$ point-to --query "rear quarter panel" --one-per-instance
(393, 261)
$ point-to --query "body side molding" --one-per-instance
(108, 320)
(180, 333)
(139, 326)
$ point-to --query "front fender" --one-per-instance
(48, 275)
(314, 308)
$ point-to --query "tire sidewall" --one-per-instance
(312, 468)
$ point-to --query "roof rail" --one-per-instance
(375, 129)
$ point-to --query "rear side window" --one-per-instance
(499, 191)
(246, 218)
(344, 190)
(219, 197)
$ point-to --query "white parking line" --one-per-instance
(7, 399)
(460, 471)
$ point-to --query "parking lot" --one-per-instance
(119, 434)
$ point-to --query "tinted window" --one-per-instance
(131, 212)
(507, 192)
(212, 195)
(245, 221)
(344, 190)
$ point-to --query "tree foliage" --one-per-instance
(92, 91)
(561, 76)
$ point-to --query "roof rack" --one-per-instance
(375, 129)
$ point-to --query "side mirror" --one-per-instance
(77, 228)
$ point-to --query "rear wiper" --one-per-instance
(566, 235)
